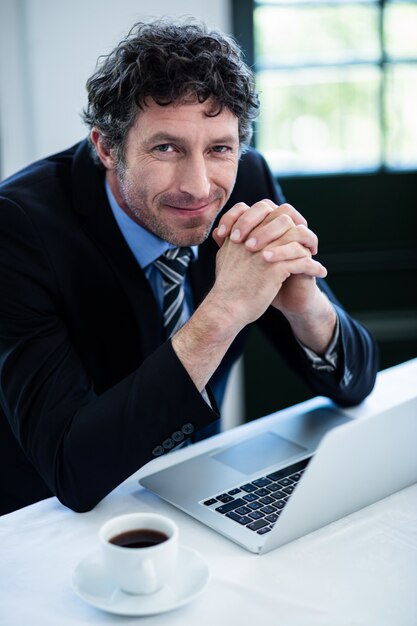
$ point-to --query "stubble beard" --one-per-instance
(135, 204)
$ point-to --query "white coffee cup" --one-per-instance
(139, 570)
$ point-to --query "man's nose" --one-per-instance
(194, 177)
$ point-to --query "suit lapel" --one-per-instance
(90, 201)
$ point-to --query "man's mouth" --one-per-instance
(199, 207)
(188, 205)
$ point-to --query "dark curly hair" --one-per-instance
(168, 62)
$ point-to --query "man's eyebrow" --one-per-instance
(163, 138)
(226, 140)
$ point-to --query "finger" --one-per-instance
(304, 265)
(281, 230)
(274, 232)
(249, 220)
(286, 252)
(217, 239)
(307, 238)
(295, 215)
(229, 219)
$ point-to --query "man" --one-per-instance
(99, 374)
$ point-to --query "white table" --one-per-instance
(359, 571)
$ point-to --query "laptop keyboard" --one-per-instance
(258, 504)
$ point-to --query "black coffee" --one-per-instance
(139, 538)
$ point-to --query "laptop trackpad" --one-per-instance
(258, 453)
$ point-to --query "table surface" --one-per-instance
(361, 570)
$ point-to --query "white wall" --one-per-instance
(48, 49)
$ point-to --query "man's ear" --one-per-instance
(105, 155)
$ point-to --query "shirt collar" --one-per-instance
(145, 246)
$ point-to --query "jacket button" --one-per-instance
(187, 429)
(168, 444)
(158, 450)
(177, 436)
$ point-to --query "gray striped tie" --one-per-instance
(173, 265)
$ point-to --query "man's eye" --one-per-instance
(220, 149)
(164, 147)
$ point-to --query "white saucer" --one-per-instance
(91, 583)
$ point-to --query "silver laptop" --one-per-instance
(300, 474)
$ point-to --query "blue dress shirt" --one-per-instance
(146, 248)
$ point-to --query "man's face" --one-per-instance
(179, 170)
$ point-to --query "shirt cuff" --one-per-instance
(329, 361)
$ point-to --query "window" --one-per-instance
(338, 84)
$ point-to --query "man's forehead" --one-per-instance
(158, 116)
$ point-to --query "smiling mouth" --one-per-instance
(186, 203)
(191, 209)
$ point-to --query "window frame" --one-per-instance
(243, 28)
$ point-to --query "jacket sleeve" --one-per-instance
(82, 444)
(353, 378)
(358, 357)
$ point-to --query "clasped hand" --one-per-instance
(266, 257)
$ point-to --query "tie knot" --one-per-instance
(173, 264)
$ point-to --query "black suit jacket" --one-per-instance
(89, 388)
